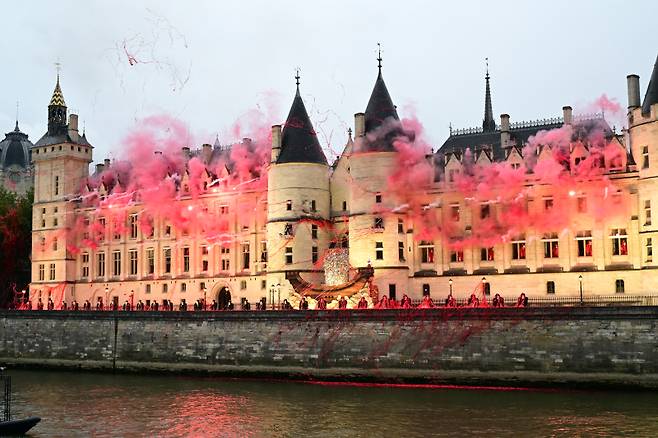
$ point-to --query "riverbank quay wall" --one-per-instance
(586, 347)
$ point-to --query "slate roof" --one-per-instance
(651, 96)
(14, 149)
(299, 142)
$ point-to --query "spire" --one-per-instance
(58, 97)
(16, 128)
(299, 142)
(651, 97)
(488, 124)
(380, 106)
(297, 79)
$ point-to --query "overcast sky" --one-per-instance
(207, 63)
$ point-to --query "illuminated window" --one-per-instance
(584, 243)
(487, 254)
(619, 241)
(518, 248)
(426, 251)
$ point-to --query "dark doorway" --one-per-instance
(223, 298)
(426, 290)
(391, 291)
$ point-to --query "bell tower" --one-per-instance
(61, 162)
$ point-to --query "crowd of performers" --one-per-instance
(225, 304)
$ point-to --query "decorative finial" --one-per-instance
(58, 67)
(486, 61)
(16, 128)
(379, 57)
(349, 133)
(297, 77)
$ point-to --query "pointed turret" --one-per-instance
(380, 106)
(651, 97)
(57, 112)
(299, 142)
(488, 123)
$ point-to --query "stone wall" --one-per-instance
(512, 347)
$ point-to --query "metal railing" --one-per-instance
(557, 301)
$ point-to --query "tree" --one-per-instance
(15, 243)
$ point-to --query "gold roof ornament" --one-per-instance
(58, 97)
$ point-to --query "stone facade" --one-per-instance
(534, 346)
(172, 265)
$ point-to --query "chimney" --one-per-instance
(633, 84)
(107, 163)
(567, 114)
(246, 141)
(276, 142)
(99, 168)
(186, 152)
(206, 152)
(359, 125)
(504, 130)
(73, 127)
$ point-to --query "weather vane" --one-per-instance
(379, 56)
(297, 76)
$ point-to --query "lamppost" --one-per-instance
(205, 306)
(484, 286)
(278, 296)
(107, 295)
(272, 296)
(580, 280)
(450, 283)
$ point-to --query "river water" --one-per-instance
(89, 404)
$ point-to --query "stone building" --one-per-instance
(367, 223)
(15, 162)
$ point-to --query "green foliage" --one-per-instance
(15, 243)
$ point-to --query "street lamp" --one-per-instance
(450, 283)
(580, 280)
(278, 296)
(205, 307)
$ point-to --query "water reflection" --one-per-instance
(86, 404)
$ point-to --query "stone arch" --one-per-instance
(222, 294)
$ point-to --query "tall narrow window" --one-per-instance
(581, 202)
(263, 251)
(42, 272)
(245, 256)
(426, 251)
(550, 287)
(378, 198)
(584, 243)
(116, 263)
(487, 254)
(649, 246)
(485, 211)
(647, 212)
(400, 226)
(288, 205)
(150, 261)
(401, 251)
(645, 157)
(166, 252)
(314, 231)
(56, 185)
(84, 261)
(313, 206)
(102, 229)
(132, 256)
(457, 256)
(379, 223)
(55, 244)
(548, 203)
(619, 241)
(100, 264)
(344, 205)
(52, 271)
(186, 259)
(133, 226)
(379, 250)
(288, 255)
(314, 254)
(287, 230)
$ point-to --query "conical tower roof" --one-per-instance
(380, 106)
(58, 96)
(651, 97)
(299, 142)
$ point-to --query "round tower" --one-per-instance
(377, 235)
(298, 200)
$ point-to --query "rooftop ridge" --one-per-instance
(529, 123)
